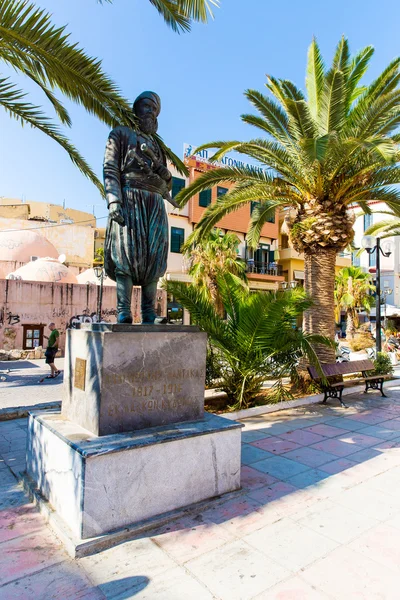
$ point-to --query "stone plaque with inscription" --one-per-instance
(80, 373)
(136, 376)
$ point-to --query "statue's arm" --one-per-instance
(112, 169)
(112, 176)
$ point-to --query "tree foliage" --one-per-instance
(211, 257)
(258, 338)
(178, 14)
(33, 46)
(322, 152)
(353, 291)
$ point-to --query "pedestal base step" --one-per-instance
(101, 485)
(78, 547)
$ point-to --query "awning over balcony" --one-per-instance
(298, 274)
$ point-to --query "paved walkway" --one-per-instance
(319, 518)
(19, 383)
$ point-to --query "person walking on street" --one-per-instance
(51, 351)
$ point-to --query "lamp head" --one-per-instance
(368, 242)
(98, 269)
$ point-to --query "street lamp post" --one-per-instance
(371, 244)
(385, 293)
(99, 272)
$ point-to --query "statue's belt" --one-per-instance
(139, 183)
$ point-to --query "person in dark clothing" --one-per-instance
(51, 350)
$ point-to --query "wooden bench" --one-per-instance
(334, 390)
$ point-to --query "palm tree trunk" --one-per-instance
(350, 325)
(319, 272)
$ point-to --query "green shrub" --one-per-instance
(382, 364)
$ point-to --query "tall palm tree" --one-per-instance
(178, 14)
(258, 337)
(322, 151)
(31, 45)
(353, 290)
(211, 257)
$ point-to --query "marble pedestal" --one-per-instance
(98, 485)
(127, 377)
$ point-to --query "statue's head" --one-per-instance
(147, 107)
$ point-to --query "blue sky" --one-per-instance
(200, 76)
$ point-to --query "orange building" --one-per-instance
(263, 270)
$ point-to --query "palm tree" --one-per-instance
(31, 45)
(216, 254)
(178, 14)
(322, 152)
(257, 338)
(353, 290)
(386, 228)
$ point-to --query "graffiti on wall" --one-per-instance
(88, 317)
(8, 318)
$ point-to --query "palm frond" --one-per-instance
(13, 101)
(314, 78)
(27, 32)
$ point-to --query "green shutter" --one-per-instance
(205, 198)
(177, 239)
(177, 185)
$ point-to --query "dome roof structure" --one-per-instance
(44, 269)
(21, 245)
(89, 276)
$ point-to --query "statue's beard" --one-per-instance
(148, 124)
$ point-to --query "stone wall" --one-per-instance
(32, 303)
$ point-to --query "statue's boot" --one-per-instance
(124, 295)
(149, 293)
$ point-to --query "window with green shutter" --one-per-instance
(254, 205)
(221, 191)
(177, 185)
(177, 239)
(205, 198)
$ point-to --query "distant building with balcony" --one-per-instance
(263, 272)
(390, 265)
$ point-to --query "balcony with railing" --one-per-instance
(263, 268)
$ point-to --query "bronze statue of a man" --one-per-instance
(136, 181)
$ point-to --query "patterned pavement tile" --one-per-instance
(310, 456)
(337, 466)
(336, 447)
(252, 479)
(308, 478)
(60, 582)
(290, 544)
(304, 438)
(272, 492)
(251, 454)
(326, 430)
(346, 574)
(338, 523)
(23, 556)
(360, 438)
(275, 445)
(280, 467)
(252, 436)
(18, 521)
(345, 423)
(237, 571)
(381, 544)
(294, 588)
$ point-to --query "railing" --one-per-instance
(263, 268)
